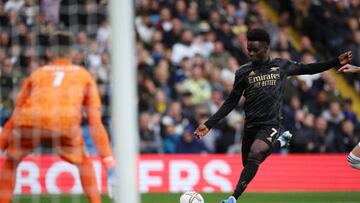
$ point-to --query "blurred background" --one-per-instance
(187, 53)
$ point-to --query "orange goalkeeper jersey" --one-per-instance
(53, 97)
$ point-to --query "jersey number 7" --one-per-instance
(59, 76)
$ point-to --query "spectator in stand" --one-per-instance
(192, 21)
(51, 10)
(346, 140)
(324, 138)
(160, 103)
(215, 77)
(184, 48)
(15, 5)
(158, 53)
(334, 115)
(304, 140)
(162, 77)
(5, 42)
(150, 140)
(320, 104)
(305, 94)
(82, 42)
(198, 86)
(284, 44)
(103, 35)
(188, 144)
(289, 113)
(348, 112)
(306, 45)
(228, 73)
(144, 28)
(8, 79)
(175, 113)
(174, 36)
(239, 50)
(220, 56)
(182, 73)
(180, 10)
(93, 57)
(30, 11)
(170, 137)
(332, 93)
(187, 108)
(307, 57)
(164, 24)
(355, 48)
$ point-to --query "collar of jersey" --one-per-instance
(62, 61)
(261, 65)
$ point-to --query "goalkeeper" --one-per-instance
(49, 110)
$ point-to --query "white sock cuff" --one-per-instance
(354, 157)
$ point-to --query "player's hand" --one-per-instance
(201, 131)
(348, 68)
(345, 58)
(109, 162)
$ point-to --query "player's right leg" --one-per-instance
(354, 157)
(285, 138)
(88, 180)
(282, 141)
(231, 199)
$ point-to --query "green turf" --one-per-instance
(331, 197)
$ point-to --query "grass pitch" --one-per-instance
(316, 197)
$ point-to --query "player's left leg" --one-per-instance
(74, 152)
(259, 150)
(354, 157)
(7, 179)
(20, 144)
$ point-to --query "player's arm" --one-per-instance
(97, 129)
(295, 68)
(24, 93)
(229, 104)
(348, 68)
(9, 125)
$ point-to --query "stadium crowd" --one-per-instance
(187, 54)
(338, 19)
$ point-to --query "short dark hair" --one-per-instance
(258, 34)
(61, 43)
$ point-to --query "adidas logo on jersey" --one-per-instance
(273, 69)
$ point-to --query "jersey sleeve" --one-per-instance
(230, 102)
(92, 97)
(24, 93)
(296, 68)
